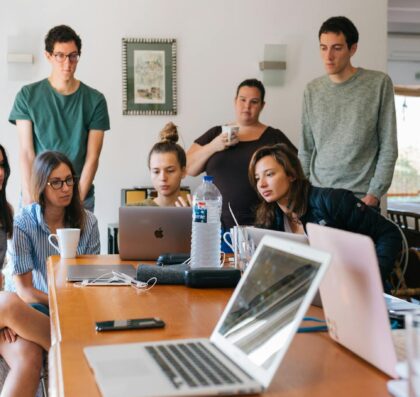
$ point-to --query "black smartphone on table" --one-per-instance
(135, 323)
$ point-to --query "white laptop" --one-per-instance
(147, 232)
(352, 295)
(246, 346)
(257, 234)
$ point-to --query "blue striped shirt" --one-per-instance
(29, 248)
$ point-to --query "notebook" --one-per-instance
(257, 234)
(147, 232)
(247, 345)
(352, 295)
(101, 273)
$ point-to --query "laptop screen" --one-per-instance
(263, 315)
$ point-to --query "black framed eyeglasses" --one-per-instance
(61, 58)
(57, 184)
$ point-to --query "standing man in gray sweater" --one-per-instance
(349, 135)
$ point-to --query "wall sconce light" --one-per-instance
(274, 65)
(21, 54)
(19, 58)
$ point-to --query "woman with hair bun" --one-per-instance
(167, 164)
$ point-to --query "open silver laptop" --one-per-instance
(99, 273)
(147, 232)
(257, 234)
(246, 346)
(353, 300)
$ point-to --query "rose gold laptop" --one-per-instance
(352, 296)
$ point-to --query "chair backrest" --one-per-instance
(409, 223)
(138, 194)
(134, 195)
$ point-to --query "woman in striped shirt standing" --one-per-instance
(20, 345)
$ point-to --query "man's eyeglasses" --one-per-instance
(57, 184)
(61, 58)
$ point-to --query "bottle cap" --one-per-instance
(208, 178)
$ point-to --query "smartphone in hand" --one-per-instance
(135, 323)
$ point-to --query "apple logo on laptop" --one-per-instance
(159, 233)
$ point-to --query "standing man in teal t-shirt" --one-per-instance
(63, 114)
(349, 132)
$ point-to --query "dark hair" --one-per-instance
(6, 212)
(299, 187)
(168, 144)
(341, 25)
(253, 83)
(62, 34)
(43, 166)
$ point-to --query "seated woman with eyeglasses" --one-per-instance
(20, 346)
(289, 202)
(167, 164)
(56, 205)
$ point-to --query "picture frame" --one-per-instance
(149, 76)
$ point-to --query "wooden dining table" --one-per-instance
(313, 366)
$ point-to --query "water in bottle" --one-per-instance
(205, 240)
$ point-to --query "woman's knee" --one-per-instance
(9, 303)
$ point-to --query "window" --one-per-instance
(406, 182)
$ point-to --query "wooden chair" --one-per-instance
(410, 284)
(409, 224)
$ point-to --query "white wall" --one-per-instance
(220, 42)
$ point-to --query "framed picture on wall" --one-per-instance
(149, 76)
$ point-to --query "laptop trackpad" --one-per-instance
(123, 368)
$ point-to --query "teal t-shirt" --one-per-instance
(61, 122)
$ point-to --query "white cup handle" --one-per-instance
(227, 241)
(50, 241)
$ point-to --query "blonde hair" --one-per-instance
(169, 133)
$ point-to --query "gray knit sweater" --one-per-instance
(349, 135)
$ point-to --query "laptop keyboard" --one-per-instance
(192, 365)
(398, 337)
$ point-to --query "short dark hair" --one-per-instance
(42, 168)
(341, 25)
(6, 212)
(253, 83)
(62, 34)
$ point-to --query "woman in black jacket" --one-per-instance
(290, 202)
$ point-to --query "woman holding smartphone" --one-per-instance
(20, 345)
(289, 202)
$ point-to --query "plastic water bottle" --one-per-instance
(205, 240)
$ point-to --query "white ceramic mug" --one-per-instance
(230, 129)
(241, 244)
(68, 240)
